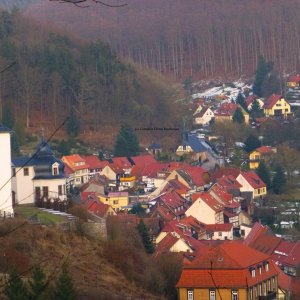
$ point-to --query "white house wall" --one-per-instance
(5, 174)
(202, 212)
(23, 186)
(52, 185)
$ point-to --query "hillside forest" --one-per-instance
(54, 76)
(200, 38)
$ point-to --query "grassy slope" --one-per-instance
(93, 276)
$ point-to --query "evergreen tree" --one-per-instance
(271, 85)
(263, 68)
(263, 172)
(73, 125)
(143, 231)
(38, 284)
(279, 180)
(251, 143)
(240, 99)
(15, 289)
(255, 109)
(238, 116)
(127, 142)
(187, 84)
(65, 289)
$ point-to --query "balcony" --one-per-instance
(127, 178)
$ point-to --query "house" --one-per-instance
(219, 231)
(117, 200)
(250, 100)
(172, 243)
(261, 153)
(193, 177)
(40, 177)
(226, 111)
(168, 206)
(292, 91)
(95, 165)
(93, 205)
(203, 117)
(230, 185)
(7, 197)
(206, 209)
(199, 151)
(78, 168)
(252, 183)
(229, 271)
(154, 149)
(276, 106)
(231, 205)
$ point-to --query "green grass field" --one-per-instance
(44, 217)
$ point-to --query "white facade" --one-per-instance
(204, 213)
(26, 188)
(22, 185)
(205, 119)
(6, 206)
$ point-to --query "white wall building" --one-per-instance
(40, 176)
(6, 205)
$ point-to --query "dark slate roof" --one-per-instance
(42, 161)
(4, 128)
(155, 146)
(195, 143)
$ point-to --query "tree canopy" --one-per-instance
(279, 180)
(126, 142)
(238, 116)
(251, 143)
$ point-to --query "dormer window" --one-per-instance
(252, 271)
(266, 264)
(55, 169)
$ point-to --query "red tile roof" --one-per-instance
(72, 160)
(121, 162)
(265, 149)
(143, 160)
(234, 172)
(219, 227)
(257, 230)
(253, 179)
(98, 208)
(209, 200)
(226, 109)
(229, 183)
(166, 243)
(250, 99)
(293, 259)
(271, 101)
(294, 78)
(229, 264)
(175, 185)
(94, 162)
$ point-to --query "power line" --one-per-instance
(35, 154)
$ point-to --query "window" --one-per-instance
(26, 172)
(55, 171)
(60, 190)
(13, 172)
(37, 192)
(116, 202)
(251, 294)
(234, 295)
(253, 272)
(190, 295)
(259, 269)
(212, 295)
(45, 191)
(266, 266)
(220, 233)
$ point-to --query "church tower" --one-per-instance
(6, 206)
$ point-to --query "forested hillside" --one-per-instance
(56, 76)
(192, 37)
